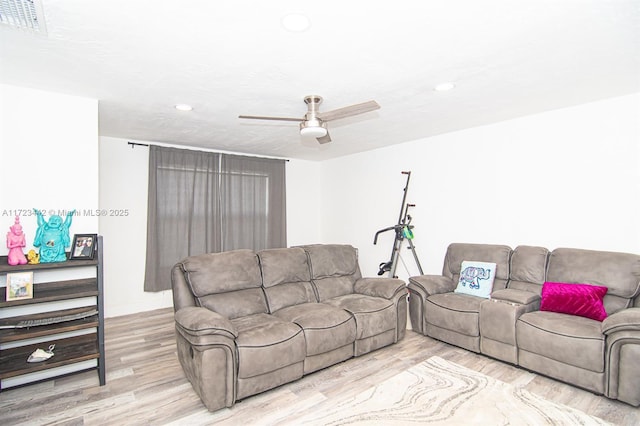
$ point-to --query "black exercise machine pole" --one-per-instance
(402, 230)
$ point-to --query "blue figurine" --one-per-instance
(53, 237)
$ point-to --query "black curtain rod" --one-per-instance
(134, 144)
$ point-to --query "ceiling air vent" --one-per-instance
(24, 14)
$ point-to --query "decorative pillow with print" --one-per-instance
(476, 278)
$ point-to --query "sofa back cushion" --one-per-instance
(619, 272)
(459, 252)
(228, 283)
(528, 268)
(286, 277)
(334, 269)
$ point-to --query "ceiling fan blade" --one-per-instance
(324, 139)
(349, 111)
(258, 117)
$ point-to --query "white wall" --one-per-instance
(123, 190)
(48, 159)
(564, 178)
(568, 177)
(305, 200)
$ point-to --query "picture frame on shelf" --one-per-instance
(83, 247)
(19, 286)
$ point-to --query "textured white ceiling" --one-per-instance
(228, 57)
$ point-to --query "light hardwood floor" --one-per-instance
(145, 384)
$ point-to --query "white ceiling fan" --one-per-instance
(314, 122)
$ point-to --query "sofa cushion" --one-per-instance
(569, 339)
(325, 327)
(459, 252)
(283, 265)
(332, 260)
(574, 299)
(266, 343)
(330, 287)
(235, 304)
(222, 272)
(286, 277)
(334, 269)
(373, 315)
(476, 278)
(528, 267)
(229, 283)
(455, 312)
(619, 272)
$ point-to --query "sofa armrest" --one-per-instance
(386, 288)
(207, 352)
(420, 288)
(196, 322)
(625, 320)
(432, 284)
(623, 350)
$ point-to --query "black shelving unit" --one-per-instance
(76, 341)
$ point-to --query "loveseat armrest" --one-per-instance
(420, 288)
(515, 296)
(194, 323)
(432, 284)
(386, 288)
(625, 320)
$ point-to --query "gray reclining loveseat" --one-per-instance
(247, 322)
(534, 317)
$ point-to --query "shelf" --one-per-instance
(54, 291)
(13, 362)
(17, 334)
(6, 268)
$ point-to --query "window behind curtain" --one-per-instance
(203, 202)
(252, 203)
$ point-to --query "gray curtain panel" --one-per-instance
(252, 203)
(204, 202)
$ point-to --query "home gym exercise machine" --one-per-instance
(403, 230)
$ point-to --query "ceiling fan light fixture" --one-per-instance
(316, 130)
(314, 123)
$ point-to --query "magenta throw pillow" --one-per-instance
(576, 299)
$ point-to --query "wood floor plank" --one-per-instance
(146, 385)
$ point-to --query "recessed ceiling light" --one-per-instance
(443, 87)
(184, 107)
(296, 22)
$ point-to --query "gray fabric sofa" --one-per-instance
(247, 322)
(600, 356)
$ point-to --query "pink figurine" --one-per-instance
(15, 242)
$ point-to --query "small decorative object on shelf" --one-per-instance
(52, 237)
(19, 286)
(83, 246)
(40, 355)
(33, 258)
(15, 242)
